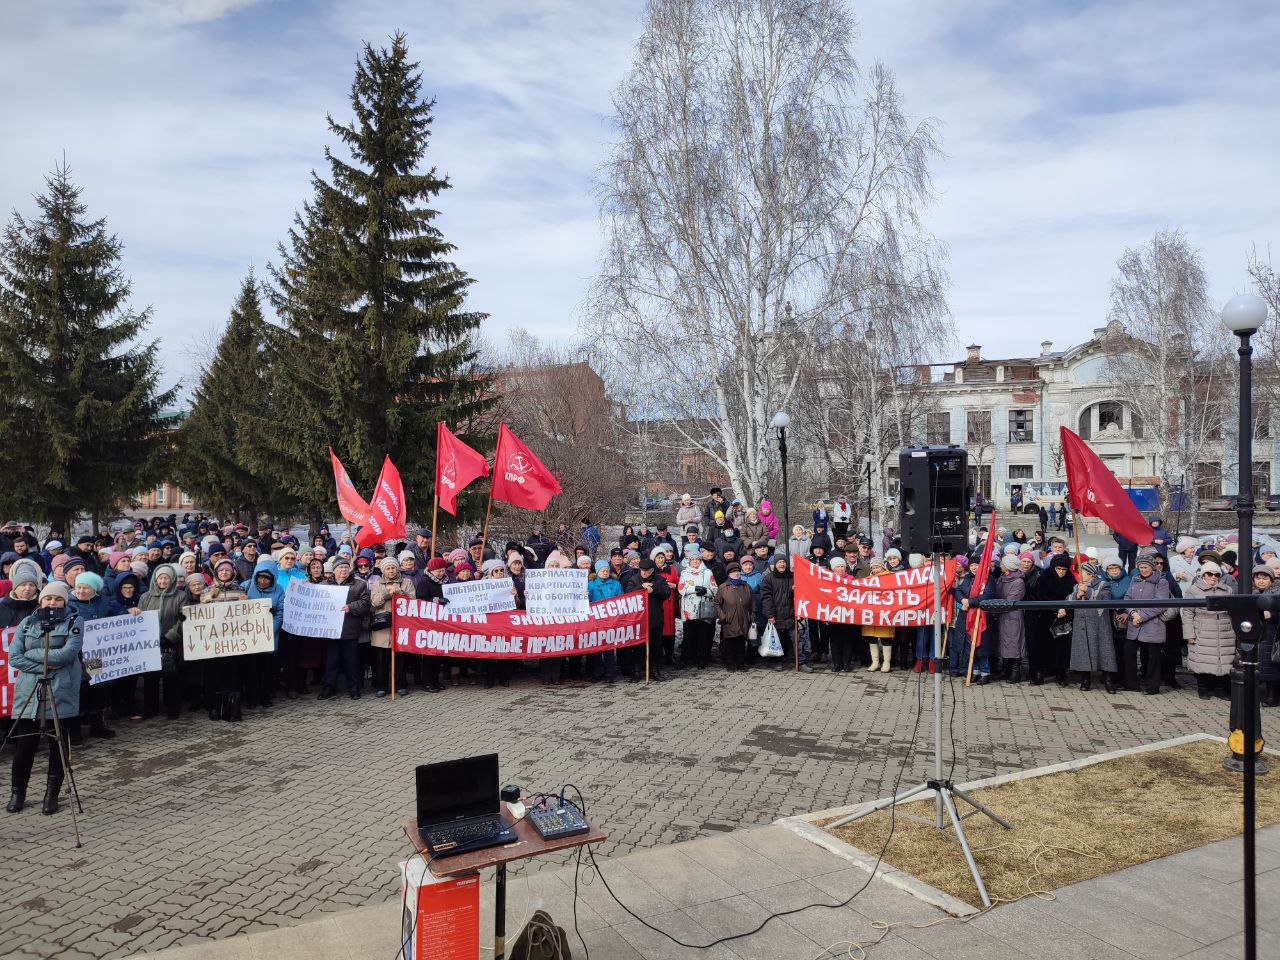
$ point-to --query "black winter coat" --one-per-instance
(777, 599)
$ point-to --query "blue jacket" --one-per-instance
(598, 589)
(591, 538)
(26, 655)
(273, 593)
(102, 605)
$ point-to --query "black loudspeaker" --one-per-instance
(933, 503)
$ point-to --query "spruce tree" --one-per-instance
(375, 343)
(82, 393)
(211, 461)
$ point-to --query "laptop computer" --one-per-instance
(458, 806)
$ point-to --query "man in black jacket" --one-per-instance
(431, 587)
(657, 590)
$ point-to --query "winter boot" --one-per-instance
(232, 712)
(1015, 672)
(933, 665)
(875, 657)
(18, 799)
(919, 666)
(1272, 696)
(98, 725)
(217, 706)
(53, 786)
(887, 662)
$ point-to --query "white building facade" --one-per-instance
(1007, 414)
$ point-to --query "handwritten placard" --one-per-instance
(230, 628)
(314, 609)
(116, 647)
(481, 596)
(557, 593)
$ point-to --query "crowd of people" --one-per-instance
(717, 580)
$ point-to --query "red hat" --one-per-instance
(436, 563)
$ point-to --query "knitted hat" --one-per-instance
(915, 561)
(838, 561)
(893, 553)
(602, 565)
(197, 580)
(1092, 568)
(91, 580)
(26, 571)
(1210, 567)
(115, 557)
(343, 561)
(1186, 543)
(691, 550)
(403, 556)
(436, 563)
(1026, 555)
(1009, 562)
(1147, 558)
(456, 556)
(491, 565)
(58, 562)
(140, 569)
(1264, 572)
(1012, 547)
(55, 588)
(962, 561)
(389, 563)
(657, 551)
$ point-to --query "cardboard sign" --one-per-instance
(426, 627)
(116, 647)
(481, 596)
(8, 676)
(557, 593)
(314, 609)
(441, 916)
(229, 628)
(900, 599)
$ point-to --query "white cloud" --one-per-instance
(1070, 133)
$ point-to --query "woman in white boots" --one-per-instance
(879, 639)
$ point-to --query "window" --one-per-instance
(1110, 416)
(1020, 426)
(162, 494)
(186, 499)
(978, 426)
(1208, 480)
(937, 428)
(1261, 479)
(980, 480)
(1261, 420)
(1020, 471)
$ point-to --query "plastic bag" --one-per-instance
(770, 645)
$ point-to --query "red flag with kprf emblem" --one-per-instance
(519, 477)
(1095, 491)
(456, 466)
(976, 618)
(350, 504)
(386, 517)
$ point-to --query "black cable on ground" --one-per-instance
(782, 913)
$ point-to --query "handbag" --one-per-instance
(770, 643)
(1120, 619)
(380, 621)
(753, 632)
(1060, 630)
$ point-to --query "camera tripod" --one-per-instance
(944, 791)
(50, 726)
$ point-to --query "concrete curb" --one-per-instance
(806, 825)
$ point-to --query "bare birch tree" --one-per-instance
(1165, 354)
(757, 166)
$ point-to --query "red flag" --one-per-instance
(1095, 492)
(456, 466)
(350, 504)
(976, 620)
(519, 477)
(386, 516)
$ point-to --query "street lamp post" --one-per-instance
(1244, 316)
(780, 422)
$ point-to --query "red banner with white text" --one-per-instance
(900, 599)
(428, 628)
(8, 676)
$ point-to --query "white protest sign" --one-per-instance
(230, 628)
(557, 593)
(117, 647)
(314, 610)
(480, 596)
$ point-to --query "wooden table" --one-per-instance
(528, 844)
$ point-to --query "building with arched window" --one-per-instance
(1008, 412)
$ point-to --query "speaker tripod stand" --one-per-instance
(944, 791)
(50, 726)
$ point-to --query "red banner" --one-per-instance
(519, 477)
(386, 517)
(7, 676)
(426, 627)
(350, 504)
(976, 619)
(1095, 491)
(901, 599)
(456, 466)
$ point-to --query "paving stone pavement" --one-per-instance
(195, 831)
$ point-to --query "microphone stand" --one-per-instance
(47, 708)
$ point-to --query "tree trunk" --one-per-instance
(316, 522)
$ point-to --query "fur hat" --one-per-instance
(1185, 544)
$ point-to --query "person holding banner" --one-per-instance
(89, 602)
(163, 597)
(222, 680)
(262, 670)
(341, 653)
(603, 586)
(697, 609)
(431, 589)
(27, 657)
(382, 597)
(499, 671)
(657, 592)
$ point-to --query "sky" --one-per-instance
(1070, 132)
